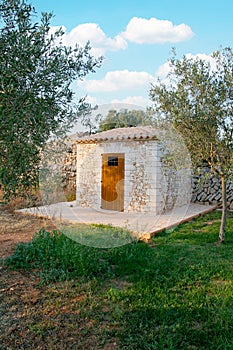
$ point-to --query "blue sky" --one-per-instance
(136, 38)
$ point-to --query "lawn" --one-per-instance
(174, 293)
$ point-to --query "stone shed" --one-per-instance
(121, 170)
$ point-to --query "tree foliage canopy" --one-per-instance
(36, 99)
(125, 118)
(199, 102)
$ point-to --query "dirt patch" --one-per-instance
(31, 316)
(16, 227)
(48, 317)
(16, 289)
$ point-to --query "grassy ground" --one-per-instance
(175, 293)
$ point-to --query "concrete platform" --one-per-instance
(144, 225)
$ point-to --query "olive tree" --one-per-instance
(125, 118)
(198, 99)
(36, 97)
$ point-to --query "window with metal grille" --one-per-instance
(112, 161)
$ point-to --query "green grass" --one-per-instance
(97, 235)
(57, 258)
(175, 293)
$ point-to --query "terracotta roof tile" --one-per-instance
(121, 134)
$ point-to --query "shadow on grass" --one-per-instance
(98, 235)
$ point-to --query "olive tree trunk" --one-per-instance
(222, 230)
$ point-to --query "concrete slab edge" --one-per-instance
(146, 237)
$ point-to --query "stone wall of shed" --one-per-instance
(88, 185)
(204, 192)
(176, 183)
(141, 177)
(142, 188)
(149, 184)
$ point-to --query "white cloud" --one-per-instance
(118, 80)
(53, 29)
(91, 32)
(208, 58)
(133, 100)
(163, 70)
(153, 30)
(138, 30)
(91, 99)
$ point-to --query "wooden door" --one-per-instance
(113, 170)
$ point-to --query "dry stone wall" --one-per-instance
(208, 190)
(69, 170)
